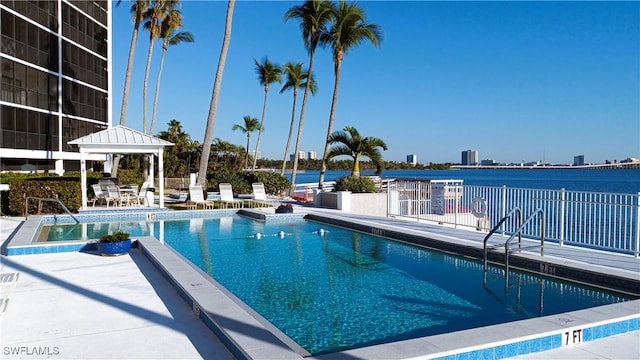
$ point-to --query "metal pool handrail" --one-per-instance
(26, 207)
(497, 226)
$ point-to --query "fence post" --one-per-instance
(638, 226)
(419, 204)
(561, 217)
(504, 206)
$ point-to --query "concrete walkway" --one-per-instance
(84, 306)
(80, 305)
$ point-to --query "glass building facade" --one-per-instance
(55, 59)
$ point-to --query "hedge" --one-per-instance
(65, 189)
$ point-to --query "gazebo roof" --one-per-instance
(120, 139)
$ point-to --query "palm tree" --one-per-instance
(250, 125)
(349, 142)
(156, 14)
(213, 107)
(296, 78)
(268, 73)
(169, 38)
(314, 17)
(349, 29)
(138, 9)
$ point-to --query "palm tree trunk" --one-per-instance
(355, 171)
(246, 156)
(125, 92)
(332, 114)
(155, 97)
(264, 111)
(293, 115)
(211, 119)
(144, 87)
(294, 168)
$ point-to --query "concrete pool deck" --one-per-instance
(54, 307)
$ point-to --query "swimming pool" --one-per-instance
(348, 289)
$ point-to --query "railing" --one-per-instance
(26, 206)
(507, 248)
(496, 227)
(607, 221)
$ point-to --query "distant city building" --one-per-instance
(412, 159)
(311, 155)
(302, 155)
(470, 157)
(578, 160)
(487, 162)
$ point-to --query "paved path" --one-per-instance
(81, 305)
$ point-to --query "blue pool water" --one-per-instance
(347, 289)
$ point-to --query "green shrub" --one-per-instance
(116, 236)
(65, 189)
(235, 178)
(355, 184)
(241, 181)
(274, 183)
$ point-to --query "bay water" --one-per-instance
(625, 181)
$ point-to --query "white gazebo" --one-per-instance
(120, 140)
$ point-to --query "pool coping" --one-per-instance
(247, 337)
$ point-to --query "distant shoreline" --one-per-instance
(630, 165)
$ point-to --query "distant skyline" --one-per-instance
(513, 80)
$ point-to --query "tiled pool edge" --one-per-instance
(22, 242)
(621, 281)
(239, 331)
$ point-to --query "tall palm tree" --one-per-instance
(213, 107)
(314, 17)
(250, 125)
(349, 29)
(349, 142)
(296, 79)
(268, 73)
(156, 14)
(169, 37)
(138, 9)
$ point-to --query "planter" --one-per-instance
(284, 211)
(114, 248)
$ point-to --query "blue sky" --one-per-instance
(514, 80)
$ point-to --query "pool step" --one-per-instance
(8, 282)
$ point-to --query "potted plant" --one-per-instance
(116, 243)
(284, 209)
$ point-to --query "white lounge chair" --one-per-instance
(99, 196)
(196, 198)
(226, 196)
(113, 195)
(260, 195)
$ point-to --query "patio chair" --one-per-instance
(99, 196)
(142, 194)
(260, 195)
(129, 195)
(113, 196)
(226, 196)
(196, 198)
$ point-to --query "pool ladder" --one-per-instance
(508, 249)
(26, 207)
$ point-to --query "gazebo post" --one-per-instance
(151, 169)
(83, 177)
(161, 177)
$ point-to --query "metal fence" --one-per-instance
(606, 221)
